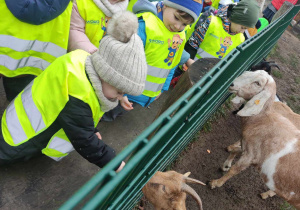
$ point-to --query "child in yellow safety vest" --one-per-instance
(89, 20)
(218, 34)
(162, 29)
(59, 110)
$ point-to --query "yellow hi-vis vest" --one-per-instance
(163, 51)
(217, 43)
(35, 109)
(215, 3)
(95, 20)
(29, 49)
(131, 4)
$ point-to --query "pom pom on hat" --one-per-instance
(122, 25)
(120, 60)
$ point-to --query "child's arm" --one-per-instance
(198, 35)
(76, 119)
(77, 36)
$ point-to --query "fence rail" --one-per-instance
(109, 190)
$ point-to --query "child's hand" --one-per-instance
(126, 104)
(189, 62)
(121, 167)
(98, 135)
(157, 96)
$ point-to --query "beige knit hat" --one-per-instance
(120, 60)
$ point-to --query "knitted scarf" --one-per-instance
(105, 103)
(110, 9)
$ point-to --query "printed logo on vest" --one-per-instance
(104, 23)
(211, 34)
(173, 46)
(156, 41)
(93, 22)
(225, 44)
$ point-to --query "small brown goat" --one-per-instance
(167, 190)
(271, 138)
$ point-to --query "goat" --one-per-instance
(270, 137)
(167, 190)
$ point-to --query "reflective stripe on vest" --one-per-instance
(13, 64)
(202, 54)
(95, 20)
(28, 49)
(35, 109)
(217, 42)
(58, 147)
(34, 116)
(163, 51)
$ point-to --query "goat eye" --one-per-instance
(257, 83)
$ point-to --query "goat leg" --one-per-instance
(234, 149)
(267, 194)
(243, 163)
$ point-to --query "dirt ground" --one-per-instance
(242, 191)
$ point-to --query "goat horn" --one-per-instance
(274, 64)
(187, 174)
(191, 180)
(186, 188)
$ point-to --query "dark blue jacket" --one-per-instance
(36, 12)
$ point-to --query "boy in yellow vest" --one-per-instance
(162, 30)
(216, 35)
(229, 23)
(59, 110)
(89, 20)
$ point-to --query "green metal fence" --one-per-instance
(109, 190)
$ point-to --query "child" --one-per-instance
(89, 20)
(60, 109)
(33, 35)
(219, 34)
(161, 27)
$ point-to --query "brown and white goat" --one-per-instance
(167, 190)
(270, 137)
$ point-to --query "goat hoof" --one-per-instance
(225, 168)
(213, 184)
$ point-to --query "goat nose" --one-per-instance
(231, 85)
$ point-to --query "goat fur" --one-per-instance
(270, 137)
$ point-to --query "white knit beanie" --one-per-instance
(120, 60)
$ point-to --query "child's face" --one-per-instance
(111, 92)
(172, 20)
(237, 28)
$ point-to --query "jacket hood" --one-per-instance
(144, 6)
(36, 12)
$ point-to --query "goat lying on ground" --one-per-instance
(167, 190)
(271, 137)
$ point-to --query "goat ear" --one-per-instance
(256, 104)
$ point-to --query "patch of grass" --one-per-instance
(293, 61)
(287, 206)
(221, 112)
(273, 52)
(277, 74)
(297, 80)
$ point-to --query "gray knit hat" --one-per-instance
(245, 13)
(120, 60)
